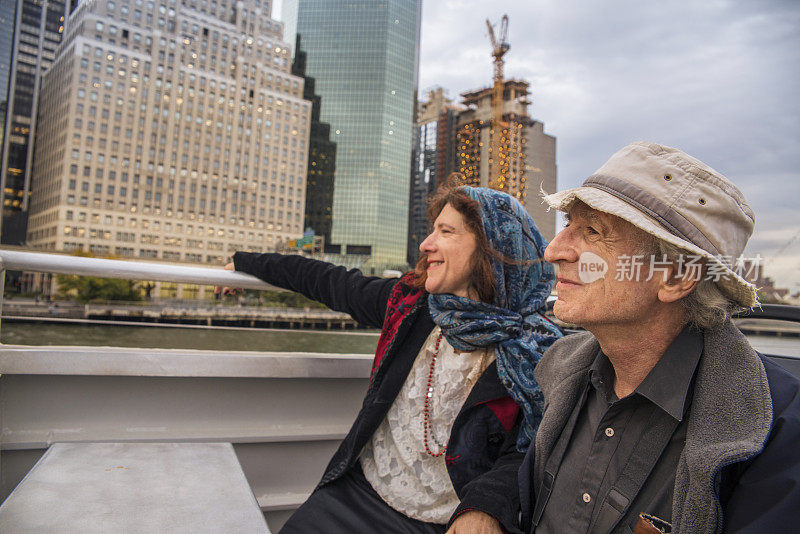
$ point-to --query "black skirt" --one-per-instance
(349, 505)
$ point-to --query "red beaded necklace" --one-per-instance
(426, 410)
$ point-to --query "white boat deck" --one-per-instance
(284, 413)
(134, 487)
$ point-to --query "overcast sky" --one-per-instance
(718, 79)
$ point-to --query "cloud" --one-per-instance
(718, 79)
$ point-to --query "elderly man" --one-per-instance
(661, 417)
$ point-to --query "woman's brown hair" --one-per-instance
(482, 279)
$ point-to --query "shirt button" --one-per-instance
(587, 497)
(609, 432)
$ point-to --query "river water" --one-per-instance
(247, 339)
(206, 338)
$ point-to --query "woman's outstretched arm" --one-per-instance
(349, 291)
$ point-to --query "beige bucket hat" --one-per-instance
(677, 198)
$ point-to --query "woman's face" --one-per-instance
(450, 249)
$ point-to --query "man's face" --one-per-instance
(587, 296)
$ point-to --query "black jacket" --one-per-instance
(486, 427)
(740, 467)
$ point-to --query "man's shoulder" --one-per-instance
(735, 352)
(784, 388)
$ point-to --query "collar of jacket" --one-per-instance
(730, 375)
(404, 301)
(486, 389)
(385, 355)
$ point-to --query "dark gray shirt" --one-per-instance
(604, 432)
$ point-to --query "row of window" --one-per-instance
(271, 215)
(105, 250)
(193, 188)
(155, 239)
(167, 226)
(114, 161)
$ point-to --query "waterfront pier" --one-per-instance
(184, 313)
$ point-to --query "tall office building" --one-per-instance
(170, 130)
(321, 166)
(432, 161)
(31, 32)
(363, 56)
(7, 18)
(541, 174)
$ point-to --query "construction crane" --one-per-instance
(499, 47)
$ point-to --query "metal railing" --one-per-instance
(13, 260)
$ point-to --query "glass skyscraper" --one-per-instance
(7, 18)
(364, 58)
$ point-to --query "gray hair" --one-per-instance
(706, 307)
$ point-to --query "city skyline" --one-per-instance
(716, 80)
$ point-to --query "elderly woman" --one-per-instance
(454, 364)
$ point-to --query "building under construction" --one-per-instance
(526, 160)
(451, 137)
(490, 139)
(499, 145)
(478, 155)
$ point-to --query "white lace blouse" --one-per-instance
(395, 461)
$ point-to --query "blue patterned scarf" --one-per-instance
(513, 322)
